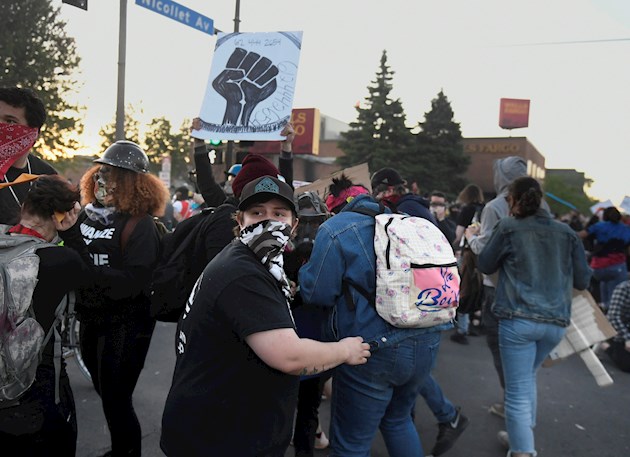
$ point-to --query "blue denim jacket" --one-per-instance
(344, 250)
(540, 261)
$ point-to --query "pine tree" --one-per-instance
(37, 54)
(379, 135)
(437, 160)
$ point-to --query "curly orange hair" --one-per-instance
(136, 193)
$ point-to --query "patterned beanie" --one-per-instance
(254, 166)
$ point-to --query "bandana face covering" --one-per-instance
(15, 141)
(267, 239)
(103, 215)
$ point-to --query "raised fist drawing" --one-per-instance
(247, 80)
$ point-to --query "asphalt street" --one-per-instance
(576, 418)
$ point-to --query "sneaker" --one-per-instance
(459, 338)
(504, 439)
(498, 409)
(449, 432)
(321, 441)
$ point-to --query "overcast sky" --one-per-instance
(476, 51)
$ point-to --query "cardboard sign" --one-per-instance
(359, 174)
(306, 124)
(589, 326)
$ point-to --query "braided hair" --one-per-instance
(526, 195)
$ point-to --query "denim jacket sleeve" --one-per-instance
(581, 271)
(320, 277)
(494, 251)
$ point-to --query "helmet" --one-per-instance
(234, 169)
(309, 204)
(125, 154)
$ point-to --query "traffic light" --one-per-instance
(215, 153)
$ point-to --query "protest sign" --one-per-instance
(250, 89)
(359, 174)
(588, 327)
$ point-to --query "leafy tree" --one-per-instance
(379, 135)
(36, 53)
(132, 129)
(437, 161)
(567, 192)
(160, 140)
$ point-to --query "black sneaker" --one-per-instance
(449, 432)
(459, 338)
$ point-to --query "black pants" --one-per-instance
(114, 354)
(307, 417)
(617, 352)
(39, 427)
(491, 327)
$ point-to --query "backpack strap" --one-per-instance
(66, 302)
(348, 295)
(370, 212)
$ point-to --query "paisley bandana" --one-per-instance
(15, 141)
(104, 215)
(267, 239)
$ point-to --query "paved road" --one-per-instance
(576, 418)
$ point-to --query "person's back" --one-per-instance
(383, 392)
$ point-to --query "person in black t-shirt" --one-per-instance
(239, 358)
(121, 198)
(22, 115)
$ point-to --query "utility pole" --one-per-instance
(122, 51)
(229, 149)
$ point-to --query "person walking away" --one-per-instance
(505, 171)
(22, 115)
(382, 393)
(120, 198)
(611, 239)
(471, 199)
(390, 188)
(618, 347)
(237, 340)
(540, 261)
(42, 421)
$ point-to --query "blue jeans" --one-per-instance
(462, 323)
(440, 406)
(609, 278)
(524, 345)
(380, 394)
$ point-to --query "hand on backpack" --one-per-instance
(69, 218)
(357, 351)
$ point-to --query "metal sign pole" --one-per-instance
(229, 148)
(122, 45)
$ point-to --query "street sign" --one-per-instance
(179, 13)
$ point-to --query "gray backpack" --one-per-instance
(22, 338)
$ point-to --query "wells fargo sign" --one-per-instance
(306, 123)
(514, 113)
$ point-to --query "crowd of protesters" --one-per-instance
(269, 317)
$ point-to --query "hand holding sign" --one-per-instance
(246, 76)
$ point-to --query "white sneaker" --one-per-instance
(321, 441)
(504, 439)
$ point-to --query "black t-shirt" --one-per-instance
(122, 278)
(467, 213)
(224, 400)
(9, 207)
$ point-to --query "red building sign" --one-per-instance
(306, 123)
(514, 113)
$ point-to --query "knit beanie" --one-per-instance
(254, 166)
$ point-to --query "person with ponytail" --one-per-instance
(540, 261)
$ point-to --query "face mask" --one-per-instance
(267, 239)
(100, 193)
(15, 141)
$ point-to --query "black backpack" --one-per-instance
(182, 260)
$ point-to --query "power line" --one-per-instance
(548, 43)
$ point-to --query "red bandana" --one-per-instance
(19, 228)
(15, 141)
